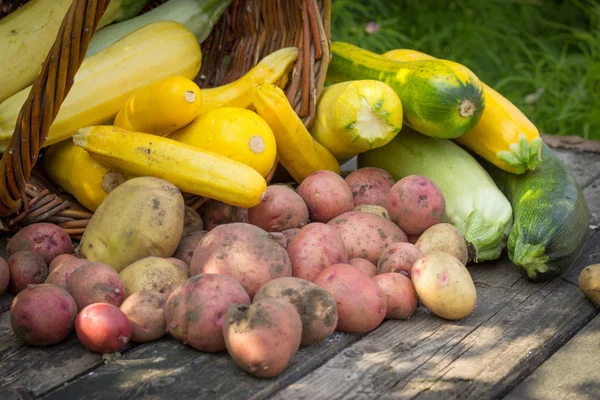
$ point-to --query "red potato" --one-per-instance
(191, 221)
(327, 195)
(187, 246)
(146, 313)
(279, 209)
(289, 234)
(244, 252)
(400, 294)
(398, 257)
(416, 203)
(96, 283)
(364, 265)
(181, 265)
(316, 307)
(195, 311)
(314, 248)
(370, 186)
(61, 260)
(263, 338)
(366, 235)
(217, 213)
(103, 328)
(412, 239)
(26, 268)
(361, 304)
(48, 240)
(4, 275)
(377, 210)
(59, 275)
(43, 314)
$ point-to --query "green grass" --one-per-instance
(543, 55)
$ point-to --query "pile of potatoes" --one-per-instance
(330, 254)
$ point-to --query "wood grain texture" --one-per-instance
(571, 373)
(590, 254)
(592, 198)
(5, 301)
(584, 166)
(514, 328)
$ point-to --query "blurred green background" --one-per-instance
(543, 55)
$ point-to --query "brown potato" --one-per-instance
(151, 273)
(366, 235)
(314, 248)
(274, 328)
(370, 186)
(327, 195)
(279, 209)
(589, 283)
(185, 268)
(48, 240)
(26, 268)
(400, 293)
(398, 257)
(444, 237)
(146, 313)
(316, 307)
(377, 210)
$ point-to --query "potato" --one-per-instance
(140, 218)
(416, 203)
(366, 235)
(103, 328)
(217, 213)
(61, 260)
(280, 208)
(377, 210)
(316, 307)
(59, 275)
(589, 283)
(26, 268)
(444, 237)
(146, 313)
(361, 304)
(314, 248)
(95, 283)
(244, 252)
(263, 338)
(187, 245)
(150, 273)
(412, 239)
(183, 267)
(48, 240)
(327, 195)
(43, 314)
(192, 221)
(398, 257)
(289, 234)
(370, 186)
(400, 293)
(195, 311)
(444, 285)
(364, 265)
(4, 275)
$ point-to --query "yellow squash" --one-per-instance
(161, 107)
(233, 132)
(72, 168)
(191, 169)
(105, 81)
(274, 68)
(504, 135)
(298, 152)
(356, 116)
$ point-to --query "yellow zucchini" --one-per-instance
(105, 81)
(356, 116)
(191, 169)
(233, 132)
(274, 68)
(72, 168)
(503, 136)
(298, 152)
(161, 107)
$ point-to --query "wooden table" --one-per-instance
(523, 341)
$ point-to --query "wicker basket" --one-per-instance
(247, 27)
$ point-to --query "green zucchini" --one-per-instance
(440, 98)
(474, 204)
(551, 218)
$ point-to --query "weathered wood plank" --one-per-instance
(585, 166)
(590, 254)
(514, 328)
(572, 372)
(592, 198)
(5, 301)
(168, 368)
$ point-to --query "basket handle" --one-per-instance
(45, 98)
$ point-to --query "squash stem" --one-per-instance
(530, 257)
(523, 155)
(466, 108)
